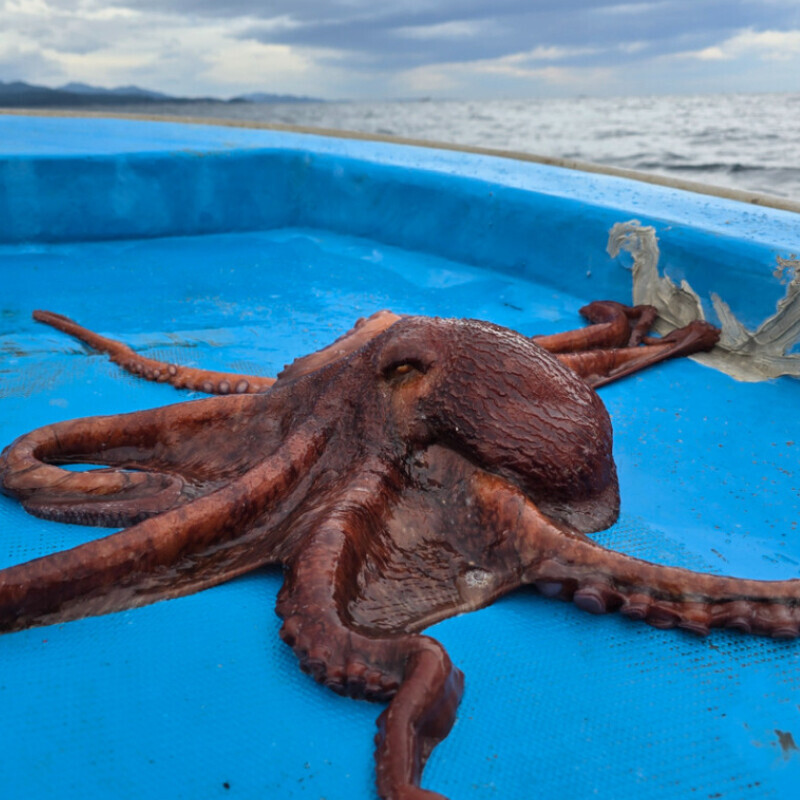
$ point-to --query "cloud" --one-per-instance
(52, 43)
(19, 59)
(362, 48)
(419, 38)
(456, 29)
(767, 45)
(516, 75)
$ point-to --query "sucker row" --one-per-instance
(200, 380)
(352, 676)
(777, 617)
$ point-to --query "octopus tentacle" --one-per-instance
(612, 325)
(189, 548)
(418, 718)
(564, 563)
(198, 380)
(165, 441)
(412, 671)
(600, 367)
(616, 343)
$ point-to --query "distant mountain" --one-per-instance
(264, 97)
(132, 91)
(10, 92)
(18, 94)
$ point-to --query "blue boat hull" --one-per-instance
(241, 249)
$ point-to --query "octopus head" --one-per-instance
(508, 406)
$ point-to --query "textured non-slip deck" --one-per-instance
(199, 698)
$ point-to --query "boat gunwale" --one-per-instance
(695, 187)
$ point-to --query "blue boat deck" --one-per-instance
(198, 697)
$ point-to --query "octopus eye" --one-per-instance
(401, 369)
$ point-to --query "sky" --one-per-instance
(390, 49)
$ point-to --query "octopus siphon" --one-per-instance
(415, 469)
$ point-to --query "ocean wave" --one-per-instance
(739, 141)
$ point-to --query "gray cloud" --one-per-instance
(363, 47)
(388, 39)
(398, 34)
(17, 64)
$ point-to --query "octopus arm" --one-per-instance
(612, 325)
(194, 546)
(211, 381)
(155, 460)
(199, 380)
(616, 344)
(564, 563)
(413, 672)
(602, 366)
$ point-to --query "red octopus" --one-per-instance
(415, 469)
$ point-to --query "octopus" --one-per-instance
(415, 469)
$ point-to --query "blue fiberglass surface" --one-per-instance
(197, 697)
(85, 179)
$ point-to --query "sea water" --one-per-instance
(741, 141)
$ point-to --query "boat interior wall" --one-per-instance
(535, 221)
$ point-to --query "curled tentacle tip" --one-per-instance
(40, 315)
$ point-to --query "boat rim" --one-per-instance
(696, 187)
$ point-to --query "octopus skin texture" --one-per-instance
(415, 469)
